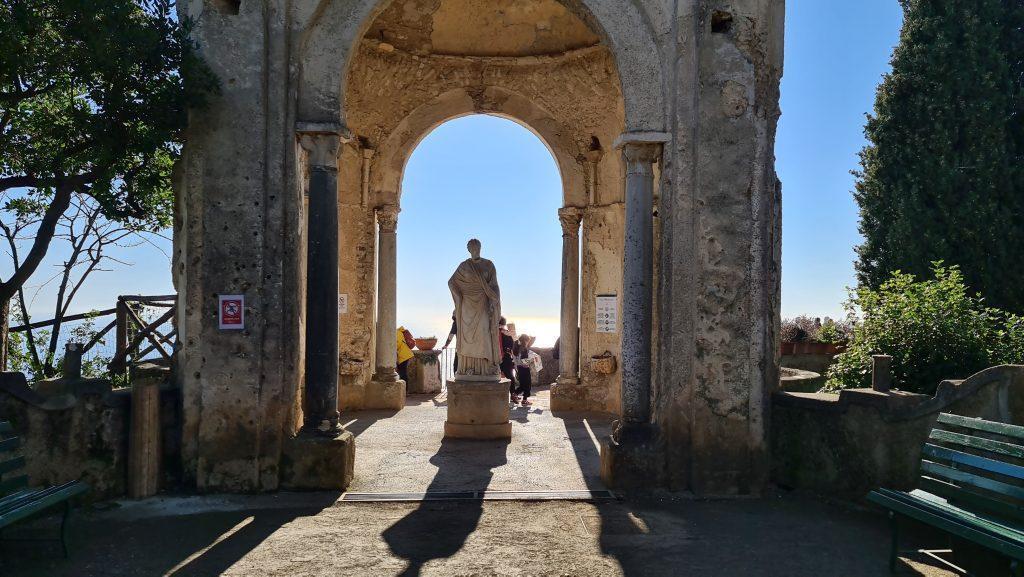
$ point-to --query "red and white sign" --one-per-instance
(231, 312)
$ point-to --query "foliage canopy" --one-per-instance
(942, 177)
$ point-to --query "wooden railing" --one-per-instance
(126, 319)
(130, 330)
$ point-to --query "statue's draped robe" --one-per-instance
(477, 299)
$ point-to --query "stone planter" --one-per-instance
(426, 344)
(603, 364)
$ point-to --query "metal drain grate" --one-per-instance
(601, 495)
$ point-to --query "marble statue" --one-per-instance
(474, 287)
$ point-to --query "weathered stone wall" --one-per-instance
(82, 433)
(858, 440)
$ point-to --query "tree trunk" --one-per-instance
(5, 325)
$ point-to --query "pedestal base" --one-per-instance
(478, 410)
(313, 463)
(632, 458)
(385, 395)
(424, 373)
(568, 395)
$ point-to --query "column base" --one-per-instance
(384, 394)
(632, 457)
(478, 410)
(311, 462)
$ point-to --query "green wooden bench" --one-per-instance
(19, 502)
(971, 486)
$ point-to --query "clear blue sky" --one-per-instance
(836, 53)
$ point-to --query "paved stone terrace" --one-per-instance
(404, 451)
(313, 535)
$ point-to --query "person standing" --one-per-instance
(405, 344)
(508, 362)
(453, 333)
(528, 365)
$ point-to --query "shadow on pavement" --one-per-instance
(437, 530)
(201, 545)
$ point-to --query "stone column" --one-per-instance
(633, 455)
(386, 390)
(569, 346)
(637, 280)
(387, 303)
(321, 144)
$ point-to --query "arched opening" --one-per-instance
(489, 178)
(479, 135)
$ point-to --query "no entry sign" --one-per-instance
(231, 312)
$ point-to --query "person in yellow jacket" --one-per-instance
(405, 345)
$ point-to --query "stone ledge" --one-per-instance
(313, 463)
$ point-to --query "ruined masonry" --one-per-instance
(661, 117)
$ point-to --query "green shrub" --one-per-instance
(934, 330)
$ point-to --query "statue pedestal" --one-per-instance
(478, 410)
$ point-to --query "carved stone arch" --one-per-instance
(329, 43)
(396, 149)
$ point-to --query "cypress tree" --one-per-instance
(942, 177)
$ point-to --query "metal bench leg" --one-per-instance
(893, 551)
(64, 527)
(1016, 568)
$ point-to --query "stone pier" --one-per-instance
(386, 390)
(424, 373)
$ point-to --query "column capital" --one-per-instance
(322, 142)
(570, 217)
(321, 149)
(387, 217)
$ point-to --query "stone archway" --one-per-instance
(699, 98)
(391, 160)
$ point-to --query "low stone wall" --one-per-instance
(858, 440)
(79, 431)
(816, 363)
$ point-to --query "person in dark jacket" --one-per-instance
(508, 363)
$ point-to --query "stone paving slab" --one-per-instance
(404, 451)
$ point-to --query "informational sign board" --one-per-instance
(607, 313)
(231, 312)
(342, 304)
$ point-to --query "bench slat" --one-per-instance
(64, 493)
(935, 517)
(975, 461)
(6, 427)
(1004, 429)
(970, 500)
(944, 472)
(20, 499)
(13, 484)
(977, 443)
(10, 444)
(988, 523)
(11, 465)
